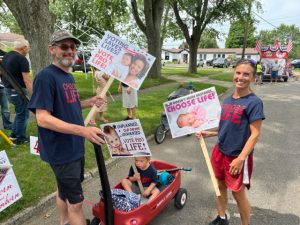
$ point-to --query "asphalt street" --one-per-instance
(275, 191)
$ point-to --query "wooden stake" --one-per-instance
(102, 94)
(209, 166)
(139, 181)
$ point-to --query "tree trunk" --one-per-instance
(155, 50)
(153, 10)
(37, 25)
(193, 57)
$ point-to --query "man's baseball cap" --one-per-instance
(62, 35)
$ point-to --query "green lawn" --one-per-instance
(183, 71)
(223, 77)
(35, 177)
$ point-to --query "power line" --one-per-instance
(264, 19)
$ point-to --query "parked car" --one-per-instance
(295, 63)
(220, 62)
(210, 62)
(81, 62)
(200, 62)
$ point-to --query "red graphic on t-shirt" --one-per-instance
(71, 93)
(232, 112)
(145, 180)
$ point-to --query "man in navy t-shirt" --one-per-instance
(57, 106)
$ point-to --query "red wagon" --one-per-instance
(104, 214)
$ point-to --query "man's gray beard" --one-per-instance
(66, 62)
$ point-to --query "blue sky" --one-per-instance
(275, 12)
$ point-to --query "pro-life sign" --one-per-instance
(197, 111)
(121, 60)
(126, 139)
(9, 188)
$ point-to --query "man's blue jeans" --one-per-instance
(4, 110)
(22, 114)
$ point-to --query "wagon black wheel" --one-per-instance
(95, 221)
(159, 134)
(180, 198)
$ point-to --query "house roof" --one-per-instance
(10, 37)
(174, 50)
(237, 51)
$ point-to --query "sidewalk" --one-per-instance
(48, 203)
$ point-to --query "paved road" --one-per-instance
(275, 191)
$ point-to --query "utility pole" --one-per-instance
(246, 31)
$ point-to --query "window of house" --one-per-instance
(204, 56)
(223, 55)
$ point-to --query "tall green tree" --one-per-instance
(86, 19)
(236, 34)
(150, 24)
(7, 20)
(283, 33)
(193, 17)
(209, 39)
(37, 24)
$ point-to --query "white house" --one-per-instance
(175, 55)
(210, 53)
(182, 55)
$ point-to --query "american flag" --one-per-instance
(276, 43)
(290, 46)
(258, 46)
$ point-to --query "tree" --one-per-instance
(283, 33)
(235, 38)
(194, 16)
(7, 20)
(209, 39)
(151, 27)
(86, 19)
(33, 16)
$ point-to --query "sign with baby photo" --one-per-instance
(126, 139)
(9, 188)
(122, 60)
(197, 111)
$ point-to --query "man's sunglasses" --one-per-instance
(65, 47)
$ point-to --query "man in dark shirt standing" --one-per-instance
(18, 66)
(3, 100)
(57, 106)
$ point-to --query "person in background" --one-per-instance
(7, 124)
(239, 130)
(259, 72)
(101, 79)
(129, 100)
(274, 71)
(18, 66)
(56, 104)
